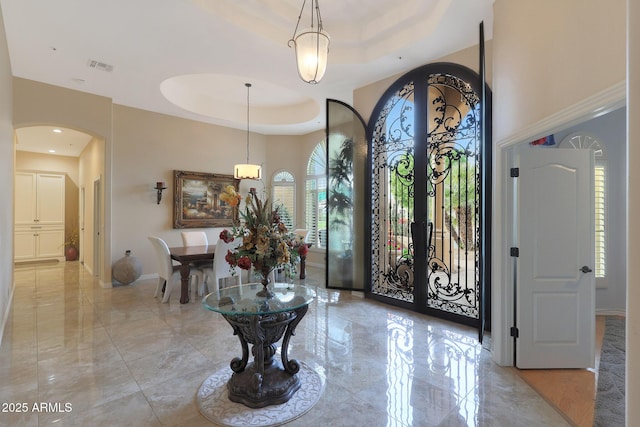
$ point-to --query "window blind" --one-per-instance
(600, 221)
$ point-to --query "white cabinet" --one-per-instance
(43, 243)
(39, 216)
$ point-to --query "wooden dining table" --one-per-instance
(186, 256)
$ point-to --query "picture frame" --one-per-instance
(197, 201)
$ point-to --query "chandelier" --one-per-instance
(247, 170)
(312, 46)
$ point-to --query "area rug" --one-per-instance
(609, 408)
(214, 404)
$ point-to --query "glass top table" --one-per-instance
(262, 321)
(242, 299)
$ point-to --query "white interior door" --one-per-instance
(555, 291)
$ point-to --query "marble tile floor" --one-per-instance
(119, 357)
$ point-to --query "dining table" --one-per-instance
(187, 256)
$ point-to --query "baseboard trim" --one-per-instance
(608, 312)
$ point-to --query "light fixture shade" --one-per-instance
(247, 171)
(312, 51)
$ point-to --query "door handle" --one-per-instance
(586, 269)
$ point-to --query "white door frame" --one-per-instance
(603, 102)
(83, 211)
(97, 231)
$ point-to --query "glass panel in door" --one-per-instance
(346, 154)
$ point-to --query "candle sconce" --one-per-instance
(160, 187)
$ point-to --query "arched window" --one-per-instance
(283, 196)
(316, 196)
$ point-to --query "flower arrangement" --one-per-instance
(73, 239)
(266, 242)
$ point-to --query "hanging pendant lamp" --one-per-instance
(247, 170)
(312, 46)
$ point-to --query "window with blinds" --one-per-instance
(600, 223)
(283, 194)
(584, 140)
(316, 196)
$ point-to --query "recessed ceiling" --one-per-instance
(51, 140)
(191, 58)
(213, 95)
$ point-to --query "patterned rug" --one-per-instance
(214, 404)
(609, 409)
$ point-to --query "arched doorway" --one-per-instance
(78, 155)
(430, 207)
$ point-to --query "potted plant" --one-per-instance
(71, 245)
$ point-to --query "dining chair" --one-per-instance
(168, 274)
(197, 238)
(194, 238)
(220, 268)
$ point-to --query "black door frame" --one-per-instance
(420, 74)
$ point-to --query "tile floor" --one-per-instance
(119, 357)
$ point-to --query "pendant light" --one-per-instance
(312, 46)
(247, 170)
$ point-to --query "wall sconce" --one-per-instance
(160, 187)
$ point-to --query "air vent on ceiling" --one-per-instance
(100, 65)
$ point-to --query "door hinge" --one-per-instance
(515, 332)
(515, 252)
(515, 172)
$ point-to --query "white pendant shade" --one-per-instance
(247, 171)
(312, 50)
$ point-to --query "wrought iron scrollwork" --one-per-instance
(453, 166)
(453, 175)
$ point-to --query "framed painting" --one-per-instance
(197, 203)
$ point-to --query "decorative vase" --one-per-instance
(303, 267)
(265, 292)
(71, 253)
(127, 269)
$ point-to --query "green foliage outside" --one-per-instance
(459, 188)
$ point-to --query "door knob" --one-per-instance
(586, 269)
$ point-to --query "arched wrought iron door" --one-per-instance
(426, 161)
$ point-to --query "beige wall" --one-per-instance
(148, 147)
(549, 55)
(6, 179)
(39, 103)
